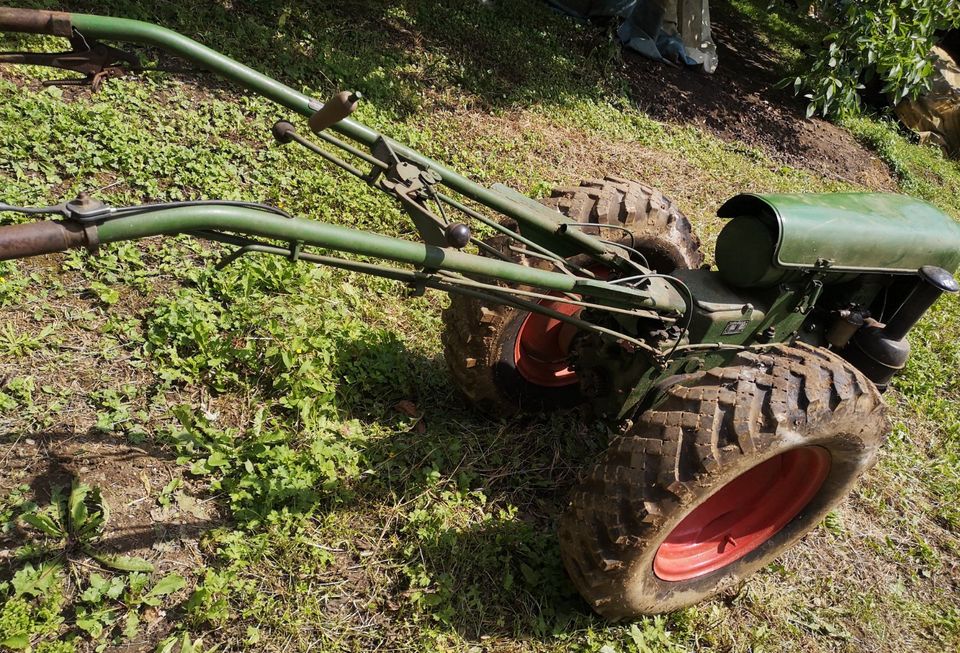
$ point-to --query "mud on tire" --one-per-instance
(479, 339)
(660, 231)
(708, 430)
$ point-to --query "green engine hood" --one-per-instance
(842, 232)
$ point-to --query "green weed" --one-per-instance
(72, 523)
(38, 599)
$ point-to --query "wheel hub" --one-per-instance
(542, 349)
(742, 515)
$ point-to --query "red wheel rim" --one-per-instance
(742, 515)
(542, 350)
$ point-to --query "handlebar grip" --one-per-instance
(36, 238)
(35, 21)
(336, 109)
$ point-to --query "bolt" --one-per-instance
(727, 539)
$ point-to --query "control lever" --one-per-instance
(336, 109)
(93, 59)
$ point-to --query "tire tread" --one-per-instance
(703, 424)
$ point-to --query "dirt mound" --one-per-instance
(738, 103)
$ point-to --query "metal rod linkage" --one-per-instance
(360, 154)
(562, 264)
(415, 278)
(565, 298)
(332, 158)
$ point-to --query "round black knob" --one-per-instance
(457, 235)
(283, 131)
(939, 278)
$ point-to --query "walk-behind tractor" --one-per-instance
(745, 397)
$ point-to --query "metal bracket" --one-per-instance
(416, 289)
(93, 239)
(296, 248)
(413, 186)
(811, 293)
(82, 209)
(93, 59)
(382, 151)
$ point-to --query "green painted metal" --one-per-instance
(320, 234)
(134, 31)
(836, 232)
(721, 314)
(550, 241)
(745, 252)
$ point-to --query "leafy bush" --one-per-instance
(887, 41)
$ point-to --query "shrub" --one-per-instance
(887, 41)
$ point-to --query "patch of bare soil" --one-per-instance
(53, 439)
(739, 104)
(130, 479)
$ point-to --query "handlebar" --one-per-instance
(46, 237)
(35, 21)
(541, 221)
(334, 110)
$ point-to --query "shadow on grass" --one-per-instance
(62, 457)
(475, 546)
(487, 540)
(394, 51)
(503, 578)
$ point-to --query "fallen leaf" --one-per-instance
(407, 407)
(190, 505)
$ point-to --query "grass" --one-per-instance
(286, 439)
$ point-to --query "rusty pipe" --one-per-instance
(46, 237)
(35, 21)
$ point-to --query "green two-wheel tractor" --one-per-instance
(745, 397)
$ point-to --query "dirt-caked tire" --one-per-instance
(504, 359)
(728, 469)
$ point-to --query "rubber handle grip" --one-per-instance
(35, 21)
(36, 238)
(336, 109)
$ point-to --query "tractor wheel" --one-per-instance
(728, 469)
(504, 359)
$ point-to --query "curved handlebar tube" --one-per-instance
(46, 237)
(31, 239)
(321, 234)
(134, 31)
